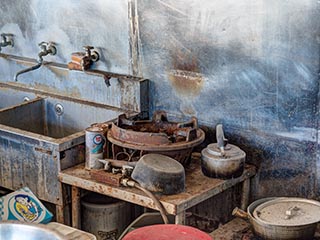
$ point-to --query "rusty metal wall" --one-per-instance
(251, 65)
(72, 25)
(28, 158)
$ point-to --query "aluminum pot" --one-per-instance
(274, 230)
(222, 160)
(10, 230)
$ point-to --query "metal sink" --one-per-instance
(40, 138)
(10, 97)
(54, 118)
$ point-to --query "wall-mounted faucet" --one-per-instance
(6, 40)
(46, 48)
(83, 60)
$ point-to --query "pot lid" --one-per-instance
(288, 212)
(230, 152)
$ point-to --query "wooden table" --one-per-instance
(198, 189)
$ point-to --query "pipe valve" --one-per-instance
(83, 60)
(6, 40)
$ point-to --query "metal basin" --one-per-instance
(54, 118)
(13, 231)
(40, 138)
(10, 97)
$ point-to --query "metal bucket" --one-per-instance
(105, 217)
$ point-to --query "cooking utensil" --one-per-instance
(17, 230)
(222, 160)
(288, 211)
(268, 218)
(159, 173)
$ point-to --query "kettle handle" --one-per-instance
(221, 140)
(237, 212)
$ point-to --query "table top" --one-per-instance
(198, 187)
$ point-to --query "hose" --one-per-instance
(156, 201)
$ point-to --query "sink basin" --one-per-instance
(10, 97)
(54, 118)
(40, 138)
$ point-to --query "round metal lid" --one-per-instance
(288, 212)
(230, 152)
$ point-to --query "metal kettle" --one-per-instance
(222, 160)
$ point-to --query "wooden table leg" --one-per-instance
(245, 194)
(60, 214)
(180, 218)
(75, 207)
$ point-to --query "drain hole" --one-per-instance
(26, 99)
(59, 109)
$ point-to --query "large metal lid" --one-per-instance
(288, 212)
(213, 151)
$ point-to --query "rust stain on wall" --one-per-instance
(69, 92)
(185, 76)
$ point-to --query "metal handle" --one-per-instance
(221, 140)
(237, 212)
(43, 43)
(193, 123)
(93, 55)
(7, 39)
(291, 212)
(47, 48)
(87, 48)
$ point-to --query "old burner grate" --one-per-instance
(131, 139)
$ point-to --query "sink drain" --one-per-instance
(59, 109)
(26, 99)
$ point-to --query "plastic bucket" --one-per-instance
(105, 217)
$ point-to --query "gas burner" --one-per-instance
(131, 139)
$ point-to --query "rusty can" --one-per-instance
(105, 126)
(95, 142)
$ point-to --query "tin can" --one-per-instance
(105, 126)
(95, 142)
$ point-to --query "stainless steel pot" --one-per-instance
(17, 230)
(279, 230)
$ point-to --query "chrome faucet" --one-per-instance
(7, 40)
(46, 48)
